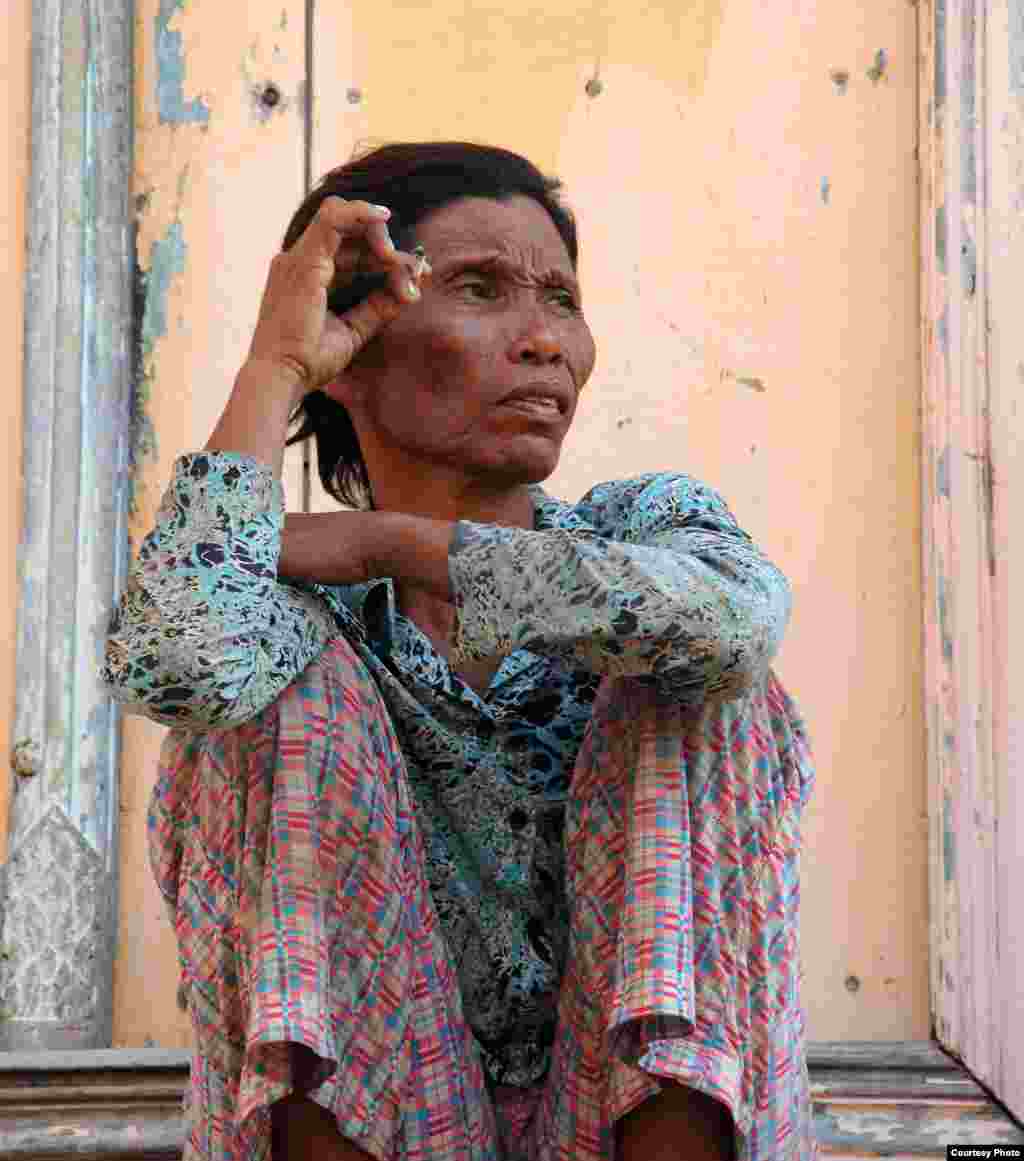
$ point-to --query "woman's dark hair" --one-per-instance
(413, 180)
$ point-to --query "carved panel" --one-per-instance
(56, 948)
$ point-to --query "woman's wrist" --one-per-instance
(255, 419)
(280, 378)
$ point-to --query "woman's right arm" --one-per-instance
(205, 635)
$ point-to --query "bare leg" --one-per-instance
(679, 1124)
(303, 1130)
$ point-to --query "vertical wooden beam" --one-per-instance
(974, 998)
(60, 878)
(1004, 117)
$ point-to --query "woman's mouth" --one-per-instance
(545, 407)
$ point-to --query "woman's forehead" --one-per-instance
(519, 229)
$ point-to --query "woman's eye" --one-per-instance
(566, 299)
(476, 284)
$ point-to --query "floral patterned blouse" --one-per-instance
(649, 577)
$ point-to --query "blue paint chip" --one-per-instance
(942, 473)
(940, 237)
(826, 190)
(947, 640)
(166, 260)
(948, 842)
(170, 83)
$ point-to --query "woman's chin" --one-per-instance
(532, 469)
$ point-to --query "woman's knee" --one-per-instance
(302, 1129)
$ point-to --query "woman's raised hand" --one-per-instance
(295, 333)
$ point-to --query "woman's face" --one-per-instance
(500, 312)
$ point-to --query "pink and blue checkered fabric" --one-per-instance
(290, 856)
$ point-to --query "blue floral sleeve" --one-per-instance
(205, 635)
(659, 583)
(665, 586)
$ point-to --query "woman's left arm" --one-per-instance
(671, 588)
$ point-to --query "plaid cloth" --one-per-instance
(289, 854)
(649, 577)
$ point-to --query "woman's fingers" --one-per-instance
(336, 225)
(343, 239)
(405, 282)
(380, 242)
(344, 336)
(362, 244)
(380, 255)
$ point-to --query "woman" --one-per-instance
(479, 819)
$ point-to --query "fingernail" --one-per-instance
(382, 210)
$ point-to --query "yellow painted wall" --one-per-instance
(749, 268)
(749, 263)
(217, 175)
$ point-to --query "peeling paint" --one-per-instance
(940, 238)
(170, 84)
(1016, 48)
(752, 382)
(968, 265)
(166, 260)
(826, 190)
(968, 135)
(942, 473)
(868, 1128)
(142, 434)
(948, 839)
(947, 640)
(879, 67)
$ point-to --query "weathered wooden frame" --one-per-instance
(59, 895)
(972, 253)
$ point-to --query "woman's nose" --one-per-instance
(538, 342)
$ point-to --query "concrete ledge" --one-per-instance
(900, 1100)
(870, 1100)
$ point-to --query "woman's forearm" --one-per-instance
(344, 548)
(255, 420)
(204, 635)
